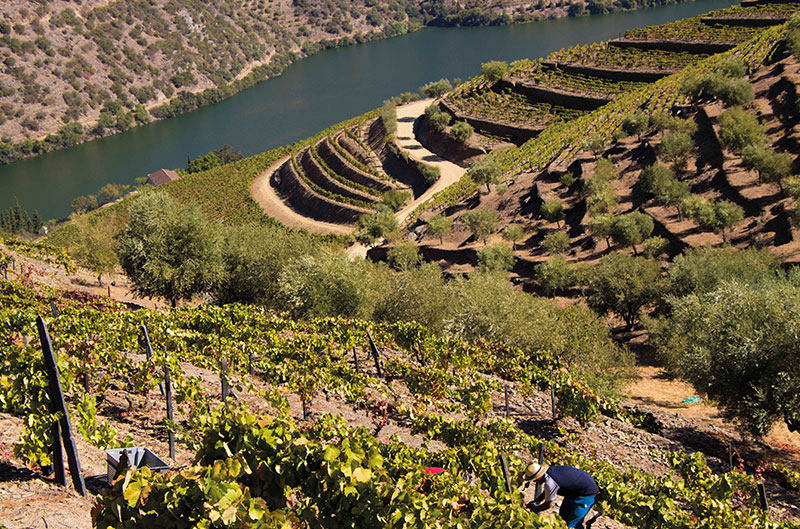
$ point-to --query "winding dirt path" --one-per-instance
(270, 202)
(405, 139)
(272, 205)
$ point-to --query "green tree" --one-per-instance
(636, 123)
(485, 171)
(771, 166)
(556, 242)
(167, 249)
(436, 89)
(440, 226)
(654, 247)
(553, 211)
(676, 147)
(555, 275)
(631, 229)
(703, 269)
(738, 345)
(404, 256)
(94, 248)
(110, 192)
(388, 117)
(727, 215)
(739, 128)
(496, 257)
(440, 120)
(596, 144)
(462, 131)
(624, 285)
(494, 70)
(371, 228)
(396, 199)
(252, 258)
(513, 233)
(605, 170)
(481, 222)
(600, 227)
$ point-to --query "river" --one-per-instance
(310, 95)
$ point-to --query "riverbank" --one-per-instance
(36, 129)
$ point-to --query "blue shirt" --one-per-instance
(572, 482)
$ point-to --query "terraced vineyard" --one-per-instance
(614, 57)
(506, 105)
(534, 72)
(694, 30)
(431, 390)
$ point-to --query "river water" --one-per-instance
(311, 95)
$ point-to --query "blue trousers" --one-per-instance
(574, 510)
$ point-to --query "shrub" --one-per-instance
(496, 257)
(624, 285)
(462, 131)
(371, 228)
(404, 256)
(439, 120)
(739, 128)
(635, 123)
(654, 247)
(396, 199)
(481, 222)
(494, 70)
(436, 88)
(556, 242)
(553, 211)
(430, 173)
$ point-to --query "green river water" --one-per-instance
(310, 95)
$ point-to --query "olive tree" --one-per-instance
(481, 222)
(624, 285)
(485, 171)
(738, 345)
(167, 249)
(440, 226)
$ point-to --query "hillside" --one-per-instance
(72, 72)
(314, 386)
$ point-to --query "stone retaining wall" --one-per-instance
(317, 174)
(612, 74)
(517, 133)
(301, 198)
(334, 160)
(555, 96)
(673, 45)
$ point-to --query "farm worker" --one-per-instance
(576, 486)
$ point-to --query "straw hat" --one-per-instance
(535, 471)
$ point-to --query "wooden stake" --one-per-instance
(168, 391)
(58, 405)
(505, 390)
(504, 464)
(538, 490)
(250, 368)
(422, 361)
(375, 354)
(148, 351)
(355, 359)
(223, 369)
(553, 402)
(54, 309)
(762, 496)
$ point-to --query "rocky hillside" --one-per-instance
(77, 70)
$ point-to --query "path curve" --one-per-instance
(273, 206)
(406, 140)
